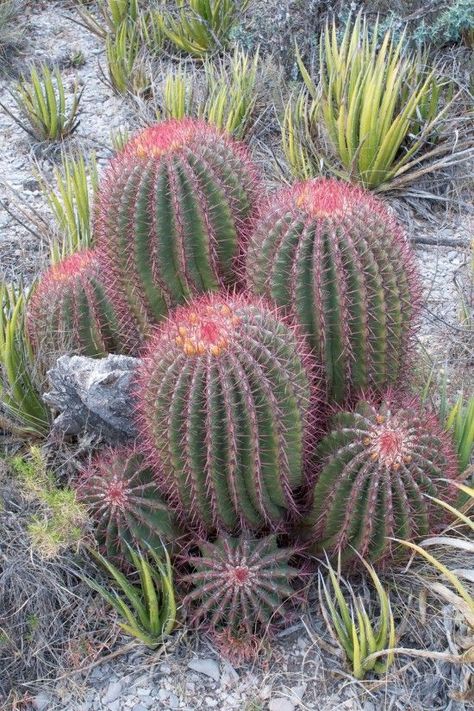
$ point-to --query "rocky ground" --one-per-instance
(189, 673)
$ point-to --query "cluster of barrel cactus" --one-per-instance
(264, 324)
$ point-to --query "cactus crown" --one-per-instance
(332, 255)
(376, 466)
(174, 211)
(120, 493)
(224, 398)
(239, 582)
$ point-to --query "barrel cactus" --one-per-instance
(70, 310)
(239, 583)
(378, 466)
(332, 254)
(120, 493)
(174, 210)
(224, 400)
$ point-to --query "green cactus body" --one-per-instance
(378, 465)
(174, 210)
(121, 495)
(331, 254)
(239, 583)
(224, 397)
(70, 310)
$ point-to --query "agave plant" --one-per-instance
(379, 105)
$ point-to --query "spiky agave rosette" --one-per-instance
(239, 583)
(70, 310)
(378, 466)
(174, 212)
(120, 493)
(333, 255)
(225, 397)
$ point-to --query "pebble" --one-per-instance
(41, 702)
(209, 667)
(113, 692)
(281, 704)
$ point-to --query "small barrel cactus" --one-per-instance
(174, 210)
(121, 495)
(378, 465)
(332, 254)
(70, 310)
(224, 396)
(239, 583)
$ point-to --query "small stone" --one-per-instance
(115, 705)
(139, 707)
(210, 702)
(173, 701)
(208, 667)
(281, 704)
(143, 691)
(113, 692)
(163, 694)
(41, 702)
(165, 668)
(229, 676)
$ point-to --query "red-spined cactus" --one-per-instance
(119, 491)
(174, 211)
(70, 310)
(378, 466)
(224, 399)
(239, 583)
(333, 255)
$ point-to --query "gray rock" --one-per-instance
(173, 701)
(140, 707)
(42, 702)
(208, 667)
(281, 704)
(93, 395)
(114, 690)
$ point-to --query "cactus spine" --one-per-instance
(224, 397)
(121, 495)
(239, 583)
(70, 310)
(377, 465)
(173, 212)
(333, 255)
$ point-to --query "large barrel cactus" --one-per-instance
(378, 465)
(120, 493)
(333, 255)
(174, 210)
(70, 310)
(224, 397)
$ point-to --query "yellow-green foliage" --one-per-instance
(41, 98)
(112, 14)
(350, 624)
(224, 94)
(460, 422)
(126, 66)
(60, 522)
(377, 104)
(70, 201)
(149, 608)
(199, 27)
(22, 411)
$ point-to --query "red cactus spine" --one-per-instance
(224, 397)
(239, 583)
(332, 254)
(377, 466)
(174, 210)
(71, 310)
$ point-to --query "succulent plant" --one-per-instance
(120, 493)
(174, 210)
(224, 400)
(332, 254)
(379, 465)
(70, 310)
(239, 583)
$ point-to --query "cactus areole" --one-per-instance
(378, 466)
(333, 255)
(174, 211)
(224, 397)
